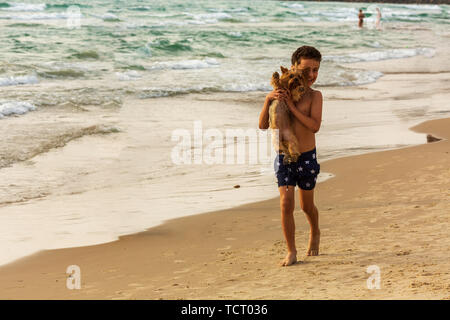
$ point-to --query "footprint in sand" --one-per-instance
(182, 271)
(179, 261)
(225, 248)
(136, 285)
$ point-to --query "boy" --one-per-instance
(307, 117)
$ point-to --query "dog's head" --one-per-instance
(294, 81)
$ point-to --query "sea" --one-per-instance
(69, 68)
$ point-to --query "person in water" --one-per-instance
(378, 21)
(361, 17)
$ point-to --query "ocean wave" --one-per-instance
(140, 8)
(167, 46)
(17, 80)
(41, 16)
(128, 75)
(350, 77)
(422, 7)
(235, 34)
(232, 10)
(205, 18)
(381, 55)
(15, 107)
(59, 140)
(156, 92)
(292, 5)
(184, 64)
(67, 5)
(57, 69)
(107, 17)
(25, 7)
(62, 73)
(88, 54)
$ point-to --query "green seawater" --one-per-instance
(202, 45)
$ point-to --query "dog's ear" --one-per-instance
(275, 82)
(283, 69)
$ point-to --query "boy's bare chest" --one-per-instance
(304, 105)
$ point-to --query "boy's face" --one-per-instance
(311, 67)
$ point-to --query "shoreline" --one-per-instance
(179, 266)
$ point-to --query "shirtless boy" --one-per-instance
(307, 114)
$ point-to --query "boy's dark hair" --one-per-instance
(306, 52)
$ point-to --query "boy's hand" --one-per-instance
(289, 102)
(279, 94)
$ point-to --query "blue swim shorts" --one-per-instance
(302, 173)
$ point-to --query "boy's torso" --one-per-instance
(305, 137)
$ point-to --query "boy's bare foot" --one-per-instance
(314, 241)
(291, 258)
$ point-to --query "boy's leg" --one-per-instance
(312, 214)
(287, 204)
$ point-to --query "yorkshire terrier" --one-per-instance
(295, 83)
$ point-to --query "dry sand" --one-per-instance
(389, 209)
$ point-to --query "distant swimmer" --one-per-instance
(378, 21)
(361, 18)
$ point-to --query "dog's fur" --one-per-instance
(279, 115)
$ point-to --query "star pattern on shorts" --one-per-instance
(313, 171)
(308, 184)
(307, 162)
(314, 156)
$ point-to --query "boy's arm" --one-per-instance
(264, 116)
(314, 121)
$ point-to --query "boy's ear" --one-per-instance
(283, 70)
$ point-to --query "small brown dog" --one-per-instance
(281, 118)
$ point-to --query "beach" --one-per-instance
(90, 172)
(388, 209)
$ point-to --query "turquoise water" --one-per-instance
(153, 48)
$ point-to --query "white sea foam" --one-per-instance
(40, 16)
(381, 55)
(13, 81)
(128, 76)
(25, 7)
(236, 34)
(106, 16)
(293, 5)
(15, 107)
(215, 15)
(355, 78)
(204, 18)
(185, 64)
